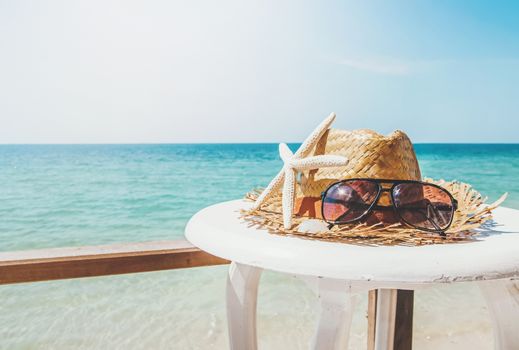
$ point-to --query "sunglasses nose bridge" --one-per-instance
(385, 197)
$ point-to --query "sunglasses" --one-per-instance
(421, 205)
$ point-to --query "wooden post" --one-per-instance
(403, 333)
(404, 320)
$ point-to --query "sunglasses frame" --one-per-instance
(394, 183)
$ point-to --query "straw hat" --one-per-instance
(329, 155)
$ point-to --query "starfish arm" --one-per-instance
(273, 186)
(285, 153)
(321, 161)
(302, 152)
(288, 198)
(315, 136)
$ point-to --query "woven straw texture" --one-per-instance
(370, 155)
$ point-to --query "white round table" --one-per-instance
(336, 270)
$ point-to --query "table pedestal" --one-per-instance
(502, 297)
(242, 296)
(335, 300)
(337, 305)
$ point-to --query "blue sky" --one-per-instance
(259, 71)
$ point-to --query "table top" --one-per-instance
(219, 230)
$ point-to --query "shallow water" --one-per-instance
(98, 194)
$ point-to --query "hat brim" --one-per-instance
(471, 214)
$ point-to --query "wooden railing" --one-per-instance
(64, 263)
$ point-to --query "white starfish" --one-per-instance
(299, 162)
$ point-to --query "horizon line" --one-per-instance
(228, 143)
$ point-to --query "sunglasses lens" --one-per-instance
(348, 201)
(424, 206)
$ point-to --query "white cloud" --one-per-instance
(396, 67)
(378, 66)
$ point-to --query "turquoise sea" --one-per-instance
(70, 195)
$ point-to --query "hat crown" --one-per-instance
(373, 155)
(370, 154)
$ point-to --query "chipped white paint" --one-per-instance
(242, 295)
(386, 317)
(336, 306)
(502, 298)
(219, 231)
(335, 267)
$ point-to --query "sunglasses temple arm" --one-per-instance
(438, 229)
